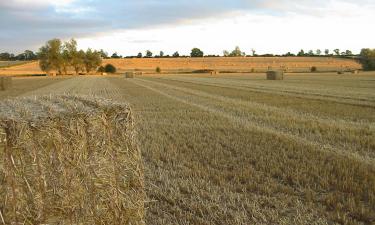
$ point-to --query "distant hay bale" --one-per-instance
(104, 74)
(69, 160)
(129, 75)
(355, 72)
(214, 72)
(139, 73)
(5, 83)
(275, 75)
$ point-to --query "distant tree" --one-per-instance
(5, 56)
(348, 53)
(109, 68)
(139, 55)
(288, 54)
(367, 58)
(103, 54)
(337, 51)
(92, 60)
(148, 54)
(161, 54)
(301, 53)
(226, 53)
(326, 52)
(115, 56)
(253, 52)
(176, 54)
(311, 53)
(50, 57)
(196, 52)
(237, 52)
(318, 52)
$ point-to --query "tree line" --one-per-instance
(59, 56)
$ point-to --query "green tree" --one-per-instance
(196, 52)
(226, 53)
(367, 58)
(326, 52)
(161, 54)
(176, 54)
(139, 55)
(92, 60)
(148, 54)
(348, 53)
(337, 51)
(301, 53)
(109, 68)
(50, 56)
(237, 52)
(75, 58)
(318, 52)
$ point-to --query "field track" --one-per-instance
(237, 149)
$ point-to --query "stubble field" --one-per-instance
(238, 149)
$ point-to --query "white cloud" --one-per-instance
(342, 25)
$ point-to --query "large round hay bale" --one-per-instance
(70, 160)
(5, 83)
(129, 75)
(275, 75)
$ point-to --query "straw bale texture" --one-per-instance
(5, 83)
(275, 75)
(69, 160)
(129, 75)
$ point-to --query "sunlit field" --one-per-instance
(239, 149)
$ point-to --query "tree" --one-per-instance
(326, 52)
(196, 52)
(109, 68)
(237, 52)
(50, 56)
(148, 54)
(75, 58)
(5, 56)
(253, 52)
(226, 53)
(176, 54)
(367, 58)
(318, 52)
(337, 51)
(103, 54)
(161, 54)
(139, 55)
(115, 56)
(348, 53)
(311, 53)
(301, 53)
(92, 60)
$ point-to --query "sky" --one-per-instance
(131, 26)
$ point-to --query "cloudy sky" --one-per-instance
(132, 26)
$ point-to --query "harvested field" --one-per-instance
(238, 149)
(229, 64)
(239, 64)
(5, 64)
